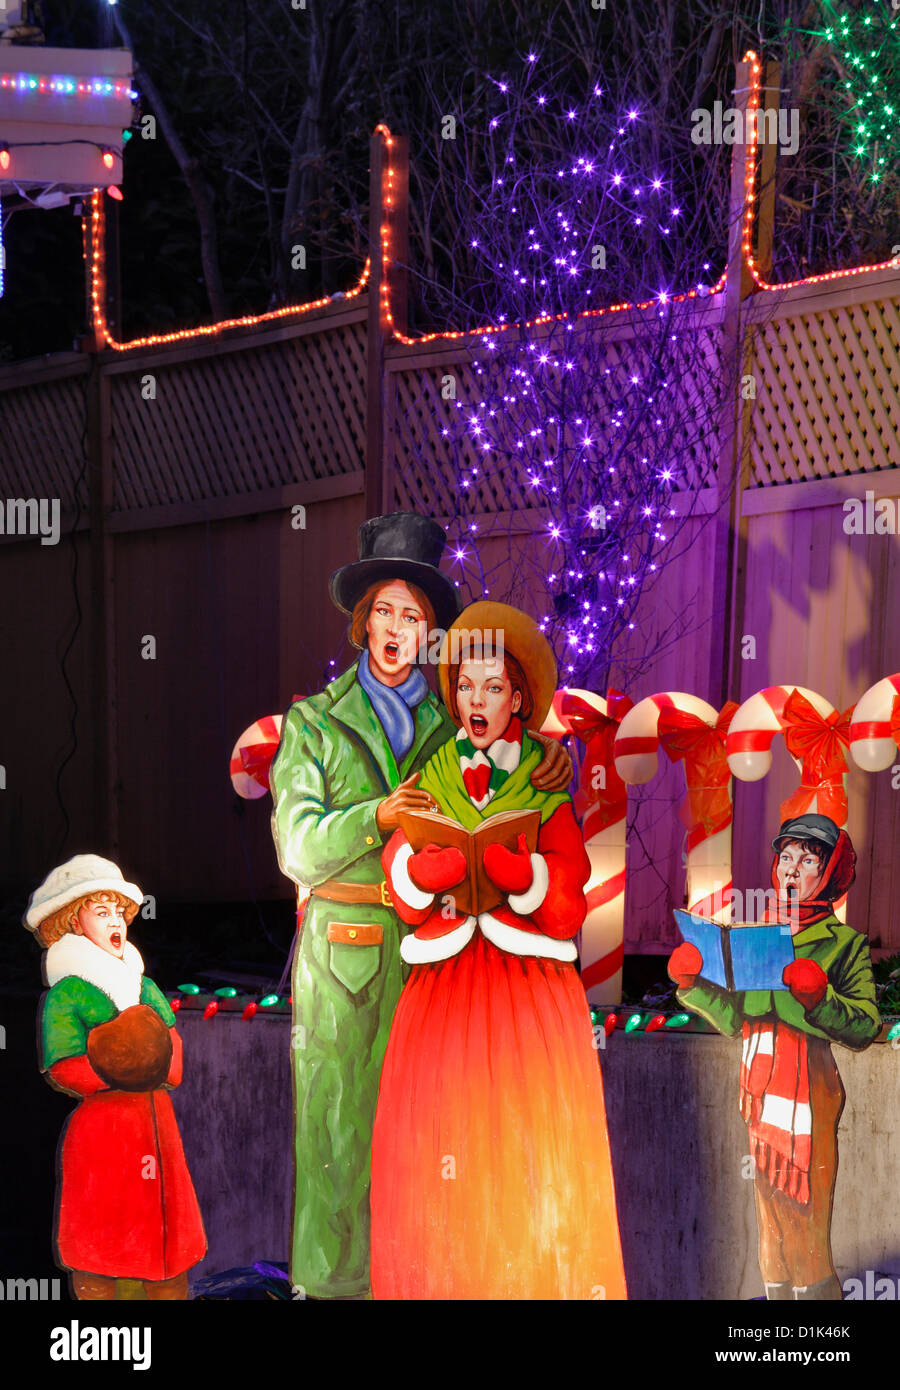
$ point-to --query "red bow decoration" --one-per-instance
(818, 742)
(895, 720)
(708, 807)
(600, 806)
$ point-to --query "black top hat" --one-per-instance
(404, 546)
(808, 827)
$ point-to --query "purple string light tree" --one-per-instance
(586, 413)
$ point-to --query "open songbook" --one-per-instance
(742, 956)
(476, 893)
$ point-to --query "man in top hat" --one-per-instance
(791, 1095)
(346, 767)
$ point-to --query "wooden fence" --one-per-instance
(180, 467)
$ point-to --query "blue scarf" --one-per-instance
(393, 704)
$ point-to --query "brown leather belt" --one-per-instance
(334, 891)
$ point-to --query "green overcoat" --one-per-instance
(333, 766)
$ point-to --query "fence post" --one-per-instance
(103, 704)
(387, 299)
(729, 565)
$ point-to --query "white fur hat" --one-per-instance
(77, 878)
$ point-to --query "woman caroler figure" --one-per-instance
(491, 1173)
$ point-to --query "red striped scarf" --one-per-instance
(775, 1104)
(485, 770)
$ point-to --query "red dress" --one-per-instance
(491, 1172)
(127, 1207)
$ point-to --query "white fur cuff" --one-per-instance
(517, 942)
(402, 884)
(415, 951)
(523, 904)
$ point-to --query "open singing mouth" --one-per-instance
(392, 651)
(479, 724)
(115, 940)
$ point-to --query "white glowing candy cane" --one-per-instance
(872, 744)
(603, 932)
(636, 752)
(750, 736)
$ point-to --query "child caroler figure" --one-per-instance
(791, 1094)
(126, 1205)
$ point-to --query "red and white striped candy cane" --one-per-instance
(875, 726)
(601, 802)
(815, 735)
(693, 730)
(252, 756)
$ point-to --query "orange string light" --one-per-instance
(387, 317)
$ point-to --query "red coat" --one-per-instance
(539, 922)
(127, 1207)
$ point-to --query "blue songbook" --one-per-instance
(742, 956)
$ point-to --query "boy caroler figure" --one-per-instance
(791, 1095)
(126, 1206)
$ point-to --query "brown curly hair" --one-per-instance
(63, 920)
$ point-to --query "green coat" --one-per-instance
(333, 766)
(846, 1014)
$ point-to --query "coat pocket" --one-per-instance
(354, 952)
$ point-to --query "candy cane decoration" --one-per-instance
(602, 802)
(252, 756)
(688, 728)
(815, 736)
(875, 726)
(251, 759)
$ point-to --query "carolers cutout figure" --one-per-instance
(126, 1207)
(491, 1173)
(791, 1095)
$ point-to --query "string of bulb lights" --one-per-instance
(252, 320)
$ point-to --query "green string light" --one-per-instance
(268, 1000)
(227, 992)
(869, 47)
(188, 989)
(678, 1020)
(894, 1031)
(633, 1023)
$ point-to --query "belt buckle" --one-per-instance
(386, 899)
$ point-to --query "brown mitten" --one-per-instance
(133, 1051)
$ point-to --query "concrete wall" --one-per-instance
(686, 1213)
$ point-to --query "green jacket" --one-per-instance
(333, 766)
(73, 1006)
(846, 1014)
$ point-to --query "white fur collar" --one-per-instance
(76, 955)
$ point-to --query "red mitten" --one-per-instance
(509, 869)
(807, 982)
(434, 868)
(685, 964)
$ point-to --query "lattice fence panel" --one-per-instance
(438, 466)
(42, 429)
(241, 422)
(828, 394)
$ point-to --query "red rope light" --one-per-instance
(251, 320)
